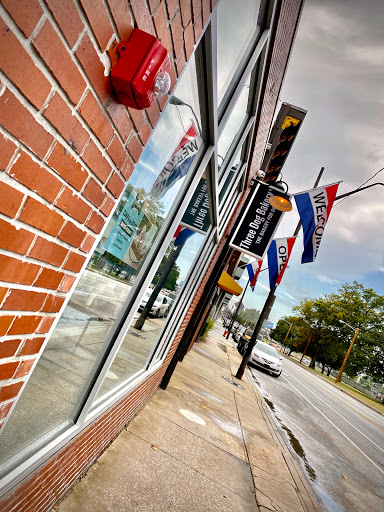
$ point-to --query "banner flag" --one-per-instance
(178, 165)
(314, 208)
(278, 256)
(182, 235)
(253, 272)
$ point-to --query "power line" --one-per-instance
(362, 185)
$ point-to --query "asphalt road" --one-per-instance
(338, 441)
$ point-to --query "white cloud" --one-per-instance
(329, 280)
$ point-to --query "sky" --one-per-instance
(336, 73)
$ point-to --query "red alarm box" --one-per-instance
(140, 74)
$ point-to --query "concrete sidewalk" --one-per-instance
(204, 444)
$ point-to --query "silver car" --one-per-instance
(267, 357)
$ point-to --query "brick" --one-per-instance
(94, 68)
(171, 7)
(10, 391)
(13, 239)
(196, 9)
(99, 21)
(117, 152)
(24, 325)
(21, 70)
(127, 169)
(94, 193)
(107, 206)
(13, 270)
(10, 200)
(137, 117)
(8, 369)
(41, 217)
(18, 120)
(8, 348)
(48, 278)
(47, 251)
(95, 222)
(72, 234)
(186, 13)
(122, 18)
(177, 34)
(198, 28)
(134, 148)
(67, 283)
(153, 113)
(53, 52)
(162, 101)
(24, 368)
(45, 324)
(120, 119)
(31, 346)
(36, 178)
(95, 160)
(26, 13)
(206, 11)
(161, 25)
(3, 292)
(67, 167)
(96, 119)
(115, 185)
(60, 116)
(5, 323)
(4, 410)
(74, 262)
(24, 300)
(53, 304)
(73, 205)
(153, 5)
(189, 42)
(142, 16)
(7, 150)
(68, 19)
(88, 243)
(180, 63)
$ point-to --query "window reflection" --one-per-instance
(58, 383)
(236, 25)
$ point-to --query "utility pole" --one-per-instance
(286, 337)
(347, 354)
(267, 307)
(307, 345)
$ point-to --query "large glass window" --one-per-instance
(56, 388)
(236, 26)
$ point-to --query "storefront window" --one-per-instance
(56, 388)
(236, 25)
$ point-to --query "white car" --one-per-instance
(160, 307)
(265, 356)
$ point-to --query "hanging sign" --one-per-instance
(258, 224)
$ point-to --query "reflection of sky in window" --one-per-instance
(233, 37)
(170, 129)
(188, 254)
(234, 122)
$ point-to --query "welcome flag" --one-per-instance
(278, 256)
(178, 165)
(314, 208)
(253, 272)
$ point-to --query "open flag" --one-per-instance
(278, 255)
(253, 272)
(314, 208)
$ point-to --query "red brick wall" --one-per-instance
(67, 152)
(67, 149)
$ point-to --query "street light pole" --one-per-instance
(286, 337)
(347, 354)
(237, 311)
(307, 345)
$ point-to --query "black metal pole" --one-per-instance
(237, 311)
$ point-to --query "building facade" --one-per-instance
(92, 194)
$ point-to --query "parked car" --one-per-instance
(160, 307)
(265, 356)
(244, 333)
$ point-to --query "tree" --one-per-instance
(248, 317)
(280, 331)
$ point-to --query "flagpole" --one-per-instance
(237, 311)
(268, 304)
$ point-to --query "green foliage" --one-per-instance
(207, 327)
(248, 317)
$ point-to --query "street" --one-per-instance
(338, 441)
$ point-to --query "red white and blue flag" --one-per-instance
(314, 208)
(278, 256)
(181, 235)
(253, 272)
(179, 163)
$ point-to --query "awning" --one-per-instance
(227, 283)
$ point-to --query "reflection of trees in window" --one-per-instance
(171, 281)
